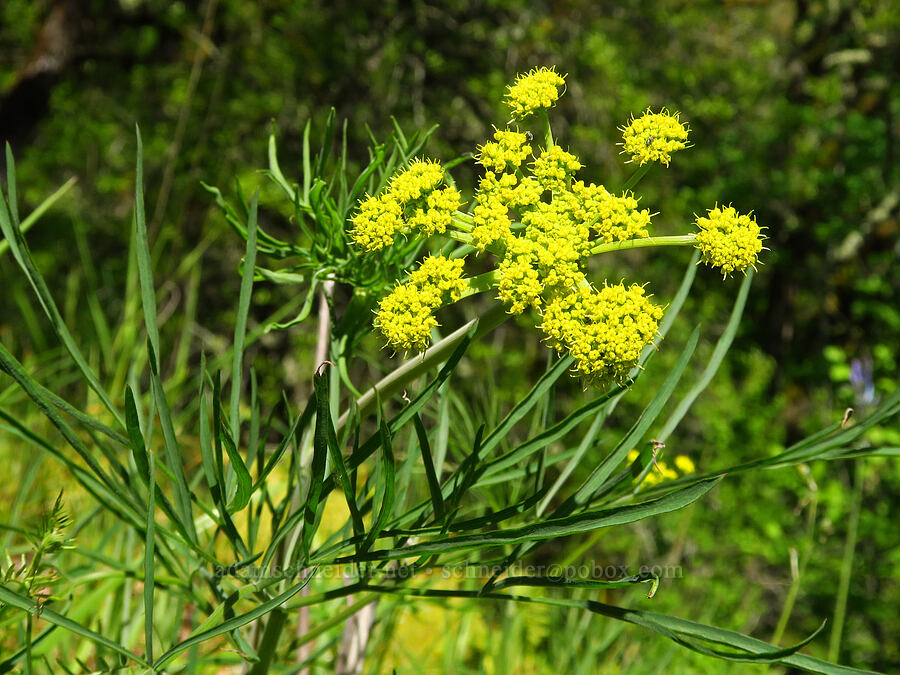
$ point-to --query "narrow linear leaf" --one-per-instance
(434, 486)
(9, 226)
(549, 529)
(234, 623)
(13, 599)
(240, 325)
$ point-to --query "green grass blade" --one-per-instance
(434, 486)
(721, 348)
(150, 560)
(537, 393)
(145, 271)
(9, 226)
(600, 475)
(172, 451)
(232, 624)
(40, 210)
(384, 486)
(549, 529)
(240, 325)
(317, 466)
(138, 449)
(13, 599)
(321, 384)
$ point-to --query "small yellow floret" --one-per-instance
(614, 218)
(509, 151)
(405, 316)
(491, 217)
(653, 137)
(438, 211)
(728, 240)
(555, 167)
(518, 282)
(439, 277)
(538, 89)
(416, 180)
(377, 221)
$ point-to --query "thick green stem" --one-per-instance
(548, 132)
(438, 352)
(675, 240)
(463, 221)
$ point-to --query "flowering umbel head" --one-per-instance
(604, 330)
(542, 223)
(406, 315)
(728, 240)
(653, 137)
(538, 89)
(414, 201)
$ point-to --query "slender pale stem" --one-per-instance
(636, 177)
(675, 240)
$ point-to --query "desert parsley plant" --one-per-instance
(540, 224)
(222, 535)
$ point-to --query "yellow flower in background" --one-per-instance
(728, 240)
(652, 137)
(538, 89)
(684, 464)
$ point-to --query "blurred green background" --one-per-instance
(793, 108)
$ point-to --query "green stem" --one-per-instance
(636, 177)
(840, 604)
(798, 571)
(548, 132)
(674, 240)
(438, 352)
(42, 208)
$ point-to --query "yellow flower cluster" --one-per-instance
(542, 224)
(538, 89)
(728, 240)
(509, 149)
(614, 218)
(555, 167)
(661, 471)
(518, 279)
(377, 221)
(653, 137)
(604, 330)
(414, 190)
(420, 177)
(406, 315)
